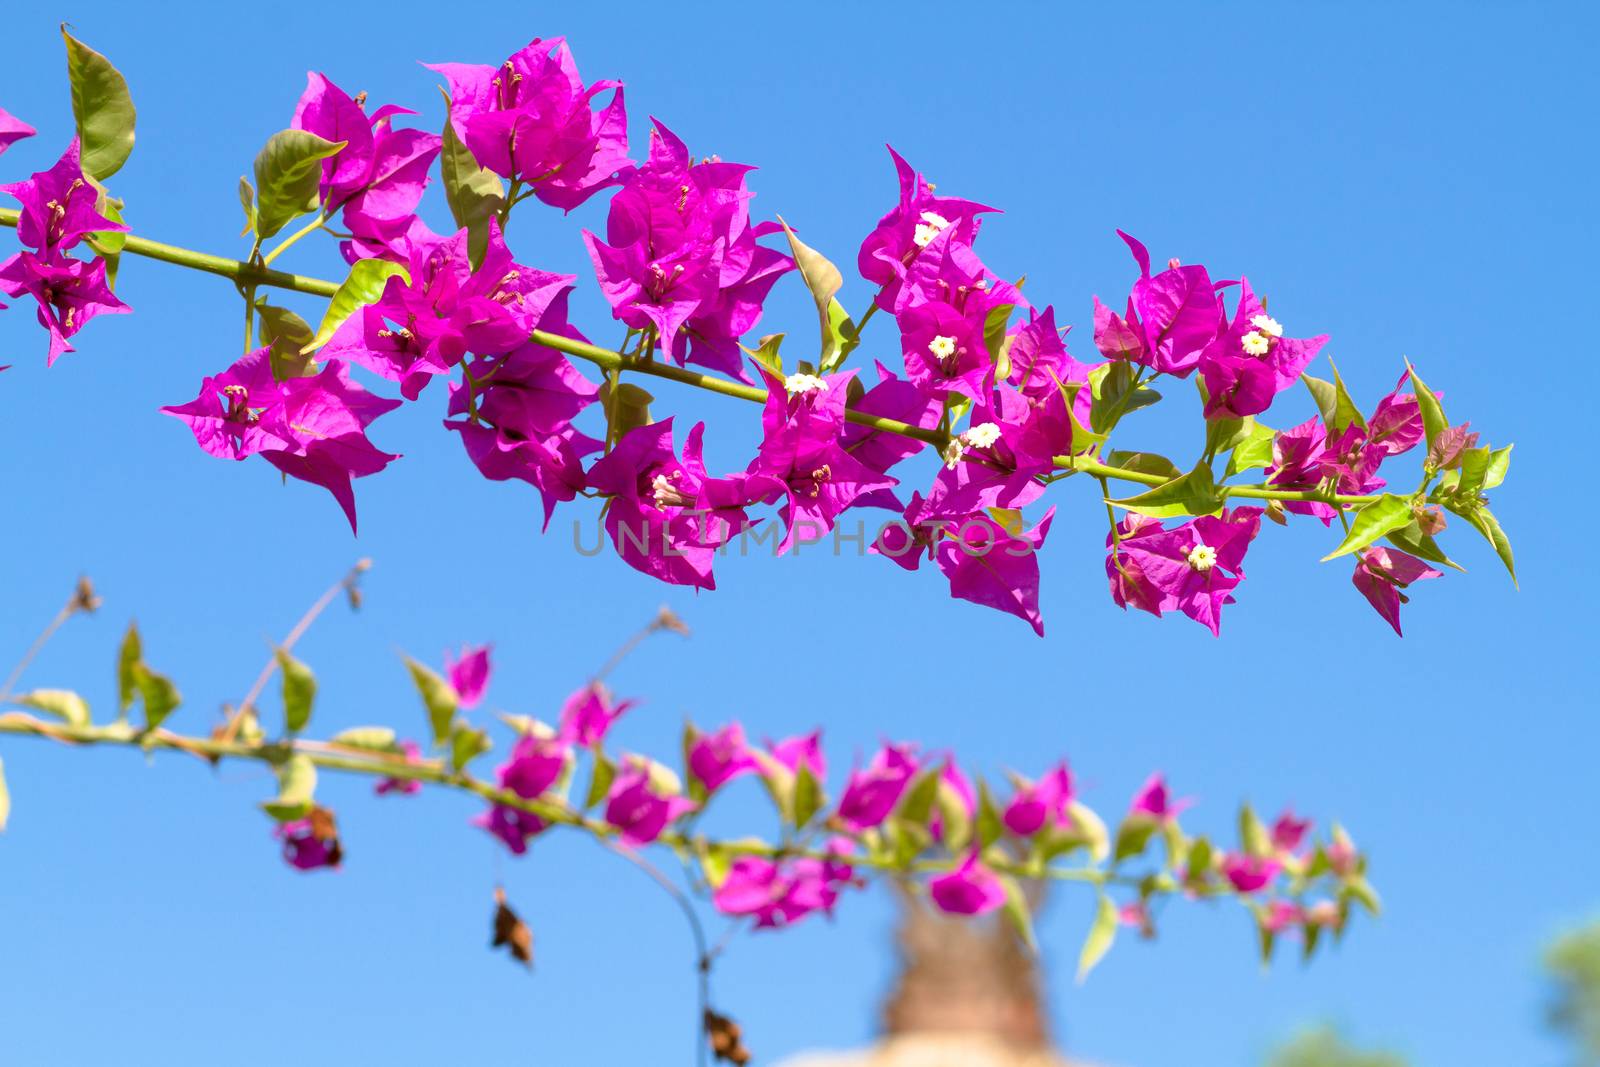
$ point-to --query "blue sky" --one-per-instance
(1414, 180)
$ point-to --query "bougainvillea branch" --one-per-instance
(986, 382)
(982, 408)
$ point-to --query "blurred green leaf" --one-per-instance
(368, 738)
(299, 691)
(602, 774)
(467, 743)
(129, 655)
(297, 784)
(64, 704)
(1017, 913)
(438, 696)
(1102, 932)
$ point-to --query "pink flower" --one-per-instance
(780, 893)
(1153, 800)
(12, 130)
(311, 428)
(1036, 805)
(587, 715)
(970, 889)
(717, 758)
(1193, 568)
(1380, 575)
(535, 765)
(311, 842)
(870, 796)
(803, 751)
(1251, 362)
(469, 673)
(532, 119)
(903, 234)
(1281, 915)
(1250, 874)
(638, 809)
(1288, 832)
(1172, 317)
(59, 207)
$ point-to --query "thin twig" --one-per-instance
(347, 585)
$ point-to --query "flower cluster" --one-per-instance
(969, 844)
(61, 207)
(984, 411)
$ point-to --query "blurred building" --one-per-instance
(967, 995)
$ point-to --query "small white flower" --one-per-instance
(1256, 343)
(953, 452)
(796, 384)
(931, 226)
(1268, 325)
(942, 347)
(1202, 558)
(982, 435)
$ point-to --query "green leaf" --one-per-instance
(823, 280)
(288, 170)
(1377, 519)
(1195, 493)
(368, 738)
(766, 353)
(297, 784)
(438, 696)
(1499, 463)
(247, 200)
(160, 696)
(808, 797)
(129, 656)
(997, 341)
(1092, 829)
(1109, 384)
(1483, 520)
(1016, 912)
(64, 704)
(467, 743)
(1102, 932)
(1361, 891)
(1411, 539)
(285, 333)
(715, 863)
(102, 108)
(990, 824)
(474, 193)
(1253, 836)
(955, 824)
(1333, 401)
(1474, 467)
(299, 692)
(1254, 451)
(916, 807)
(1133, 836)
(1144, 463)
(1433, 420)
(364, 285)
(108, 244)
(627, 410)
(603, 774)
(841, 338)
(5, 798)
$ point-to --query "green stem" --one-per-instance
(607, 359)
(335, 757)
(309, 228)
(239, 271)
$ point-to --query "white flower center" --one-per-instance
(666, 494)
(982, 435)
(798, 384)
(931, 226)
(1256, 343)
(953, 452)
(1202, 558)
(942, 347)
(1267, 325)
